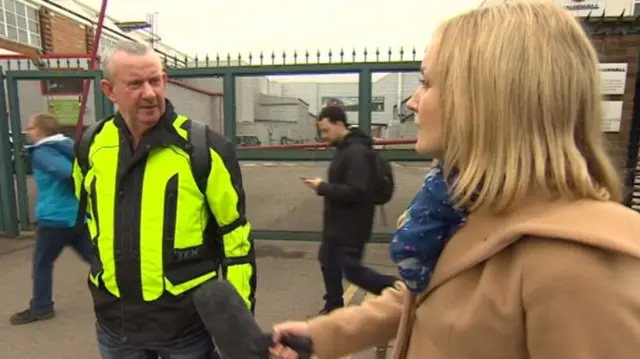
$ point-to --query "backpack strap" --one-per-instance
(82, 148)
(84, 145)
(200, 169)
(200, 156)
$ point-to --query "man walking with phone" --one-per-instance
(349, 207)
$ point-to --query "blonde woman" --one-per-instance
(541, 261)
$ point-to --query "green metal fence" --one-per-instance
(8, 213)
(14, 209)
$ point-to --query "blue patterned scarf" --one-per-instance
(429, 223)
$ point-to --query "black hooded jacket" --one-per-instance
(348, 205)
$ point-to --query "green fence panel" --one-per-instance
(8, 205)
(21, 167)
(229, 106)
(2, 219)
(365, 91)
(230, 71)
(278, 205)
(311, 155)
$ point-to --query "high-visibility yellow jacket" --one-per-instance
(156, 235)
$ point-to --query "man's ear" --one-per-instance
(165, 78)
(107, 89)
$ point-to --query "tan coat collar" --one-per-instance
(484, 235)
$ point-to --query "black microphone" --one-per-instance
(234, 330)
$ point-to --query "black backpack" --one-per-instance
(383, 182)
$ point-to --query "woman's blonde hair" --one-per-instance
(522, 109)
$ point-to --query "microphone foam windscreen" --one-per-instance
(234, 330)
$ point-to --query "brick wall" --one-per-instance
(88, 37)
(46, 30)
(62, 35)
(618, 48)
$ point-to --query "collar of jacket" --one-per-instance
(49, 139)
(162, 134)
(604, 224)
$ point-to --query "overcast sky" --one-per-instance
(210, 26)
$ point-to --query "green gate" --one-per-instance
(16, 206)
(270, 189)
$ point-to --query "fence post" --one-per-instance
(107, 105)
(229, 106)
(8, 206)
(18, 145)
(2, 228)
(364, 100)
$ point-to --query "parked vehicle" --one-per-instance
(247, 140)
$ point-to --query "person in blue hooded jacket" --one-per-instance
(56, 211)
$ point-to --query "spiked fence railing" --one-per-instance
(281, 58)
(330, 56)
(611, 25)
(594, 25)
(306, 58)
(48, 63)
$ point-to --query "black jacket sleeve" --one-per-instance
(356, 186)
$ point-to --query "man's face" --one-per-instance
(138, 88)
(330, 132)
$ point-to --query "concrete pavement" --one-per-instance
(289, 287)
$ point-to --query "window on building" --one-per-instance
(20, 22)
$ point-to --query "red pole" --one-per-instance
(93, 64)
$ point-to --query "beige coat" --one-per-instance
(550, 281)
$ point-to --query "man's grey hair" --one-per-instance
(127, 47)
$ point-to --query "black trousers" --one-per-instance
(338, 260)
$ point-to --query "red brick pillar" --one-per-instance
(88, 35)
(46, 30)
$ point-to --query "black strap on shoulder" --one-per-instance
(84, 145)
(82, 156)
(200, 157)
(201, 168)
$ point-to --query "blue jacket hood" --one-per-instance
(59, 142)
